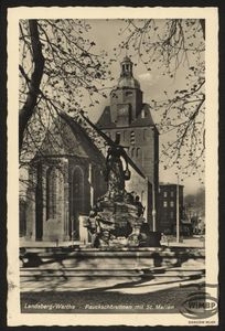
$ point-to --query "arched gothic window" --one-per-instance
(78, 191)
(144, 113)
(118, 133)
(138, 153)
(55, 192)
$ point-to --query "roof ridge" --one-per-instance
(68, 118)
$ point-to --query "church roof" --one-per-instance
(144, 118)
(126, 59)
(67, 138)
(128, 82)
(105, 121)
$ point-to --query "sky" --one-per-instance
(105, 33)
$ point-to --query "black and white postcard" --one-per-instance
(112, 154)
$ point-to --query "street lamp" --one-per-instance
(178, 211)
(153, 208)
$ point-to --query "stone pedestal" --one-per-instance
(115, 223)
(83, 234)
(53, 230)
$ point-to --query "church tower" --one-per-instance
(126, 99)
(130, 118)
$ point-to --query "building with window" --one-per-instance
(129, 117)
(66, 178)
(170, 206)
(66, 174)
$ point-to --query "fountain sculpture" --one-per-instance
(117, 218)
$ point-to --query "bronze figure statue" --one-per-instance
(115, 172)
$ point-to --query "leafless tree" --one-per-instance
(166, 45)
(58, 65)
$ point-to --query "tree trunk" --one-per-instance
(38, 59)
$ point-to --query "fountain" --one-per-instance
(117, 218)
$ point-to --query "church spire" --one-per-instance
(126, 79)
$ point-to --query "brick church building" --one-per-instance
(67, 172)
(129, 117)
(66, 177)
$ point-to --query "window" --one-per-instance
(132, 138)
(138, 153)
(165, 194)
(23, 206)
(118, 134)
(143, 113)
(171, 203)
(171, 215)
(78, 191)
(78, 198)
(55, 192)
(165, 204)
(172, 194)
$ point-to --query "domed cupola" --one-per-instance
(126, 98)
(126, 79)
